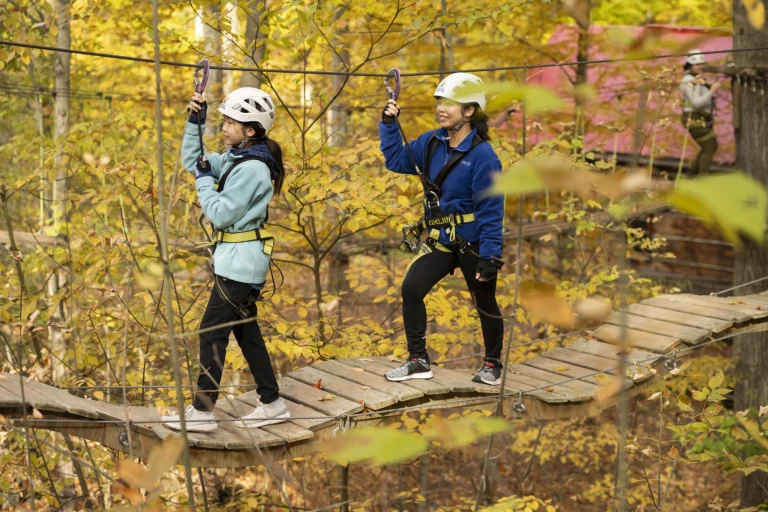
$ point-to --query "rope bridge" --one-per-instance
(558, 384)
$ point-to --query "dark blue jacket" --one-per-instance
(462, 189)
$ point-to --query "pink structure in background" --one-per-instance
(618, 86)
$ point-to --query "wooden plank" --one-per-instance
(311, 397)
(330, 383)
(758, 298)
(678, 317)
(484, 388)
(560, 368)
(48, 398)
(689, 335)
(589, 361)
(531, 388)
(463, 379)
(455, 383)
(612, 352)
(646, 340)
(287, 431)
(695, 309)
(426, 386)
(297, 411)
(139, 415)
(722, 303)
(575, 391)
(379, 383)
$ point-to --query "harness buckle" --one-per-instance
(411, 238)
(432, 200)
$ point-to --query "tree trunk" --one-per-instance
(60, 185)
(254, 41)
(212, 36)
(581, 69)
(751, 263)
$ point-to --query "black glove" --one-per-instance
(203, 167)
(488, 268)
(200, 114)
(386, 118)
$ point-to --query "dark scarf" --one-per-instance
(261, 152)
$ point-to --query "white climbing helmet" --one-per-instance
(695, 57)
(248, 105)
(448, 89)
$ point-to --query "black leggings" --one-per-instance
(213, 344)
(425, 272)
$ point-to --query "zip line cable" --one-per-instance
(5, 42)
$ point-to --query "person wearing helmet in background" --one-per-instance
(698, 110)
(464, 129)
(248, 173)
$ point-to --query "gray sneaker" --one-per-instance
(414, 368)
(489, 374)
(265, 414)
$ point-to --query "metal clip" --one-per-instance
(519, 406)
(344, 425)
(411, 235)
(670, 363)
(123, 437)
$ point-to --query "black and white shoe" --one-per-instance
(489, 374)
(414, 368)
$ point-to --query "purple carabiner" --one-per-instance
(205, 67)
(394, 73)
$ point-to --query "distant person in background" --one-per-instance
(698, 110)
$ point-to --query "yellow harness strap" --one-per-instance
(248, 236)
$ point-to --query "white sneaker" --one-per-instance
(265, 414)
(197, 421)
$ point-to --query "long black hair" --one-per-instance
(479, 121)
(277, 152)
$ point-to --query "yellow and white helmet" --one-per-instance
(248, 105)
(452, 83)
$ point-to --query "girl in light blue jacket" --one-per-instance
(234, 189)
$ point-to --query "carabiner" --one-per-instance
(393, 74)
(200, 83)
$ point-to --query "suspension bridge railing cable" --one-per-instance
(488, 399)
(371, 75)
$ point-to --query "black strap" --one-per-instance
(450, 165)
(237, 162)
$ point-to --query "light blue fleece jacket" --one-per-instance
(241, 206)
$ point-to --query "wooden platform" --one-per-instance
(557, 384)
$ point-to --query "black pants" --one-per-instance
(424, 273)
(213, 344)
(700, 128)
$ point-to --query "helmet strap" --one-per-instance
(463, 121)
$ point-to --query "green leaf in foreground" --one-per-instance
(501, 94)
(380, 445)
(735, 203)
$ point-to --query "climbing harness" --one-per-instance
(433, 218)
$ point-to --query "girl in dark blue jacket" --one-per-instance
(472, 240)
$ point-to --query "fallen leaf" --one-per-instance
(365, 387)
(318, 384)
(393, 359)
(326, 397)
(3, 421)
(592, 309)
(134, 474)
(37, 414)
(755, 13)
(133, 496)
(647, 452)
(544, 303)
(763, 410)
(674, 371)
(632, 447)
(654, 396)
(161, 459)
(735, 302)
(548, 388)
(357, 370)
(673, 452)
(562, 368)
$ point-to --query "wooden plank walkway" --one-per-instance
(559, 383)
